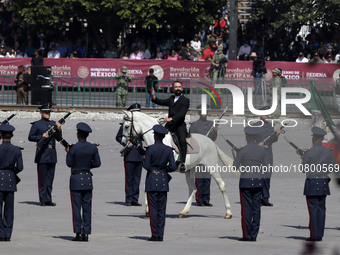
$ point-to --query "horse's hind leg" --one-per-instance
(190, 178)
(221, 185)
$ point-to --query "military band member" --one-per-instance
(133, 161)
(46, 158)
(253, 157)
(10, 164)
(203, 179)
(82, 157)
(264, 131)
(316, 184)
(159, 160)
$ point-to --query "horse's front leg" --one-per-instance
(190, 178)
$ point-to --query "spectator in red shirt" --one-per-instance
(222, 24)
(209, 51)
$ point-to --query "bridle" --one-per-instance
(133, 129)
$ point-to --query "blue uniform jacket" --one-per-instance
(45, 155)
(133, 154)
(266, 130)
(202, 127)
(316, 183)
(158, 156)
(82, 157)
(251, 155)
(10, 159)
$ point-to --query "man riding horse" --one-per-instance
(178, 107)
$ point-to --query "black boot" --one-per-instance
(85, 237)
(78, 238)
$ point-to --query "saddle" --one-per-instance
(192, 145)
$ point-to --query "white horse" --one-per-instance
(139, 124)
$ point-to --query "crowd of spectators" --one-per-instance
(180, 43)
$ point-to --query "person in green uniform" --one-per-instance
(276, 83)
(217, 62)
(122, 87)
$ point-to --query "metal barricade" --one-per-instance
(69, 91)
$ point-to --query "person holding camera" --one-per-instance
(219, 63)
(122, 87)
(259, 68)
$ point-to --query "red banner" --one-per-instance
(173, 70)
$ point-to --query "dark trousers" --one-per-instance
(202, 183)
(133, 172)
(317, 215)
(182, 135)
(6, 213)
(250, 211)
(157, 210)
(81, 199)
(266, 180)
(45, 181)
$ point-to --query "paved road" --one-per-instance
(123, 230)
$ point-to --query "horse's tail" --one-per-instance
(226, 160)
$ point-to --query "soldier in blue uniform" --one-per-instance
(82, 157)
(46, 158)
(264, 131)
(316, 184)
(133, 167)
(159, 160)
(10, 165)
(203, 179)
(251, 158)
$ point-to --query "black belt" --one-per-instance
(49, 146)
(157, 171)
(6, 170)
(81, 171)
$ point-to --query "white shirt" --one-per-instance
(195, 45)
(304, 60)
(244, 50)
(176, 98)
(56, 54)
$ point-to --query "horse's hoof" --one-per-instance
(181, 215)
(147, 215)
(228, 216)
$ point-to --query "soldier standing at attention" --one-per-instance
(316, 184)
(218, 62)
(10, 165)
(122, 87)
(133, 161)
(46, 158)
(251, 158)
(266, 130)
(82, 157)
(159, 160)
(203, 179)
(276, 83)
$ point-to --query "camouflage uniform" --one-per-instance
(276, 83)
(216, 60)
(122, 87)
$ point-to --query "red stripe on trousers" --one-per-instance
(243, 216)
(310, 219)
(74, 226)
(150, 215)
(125, 167)
(38, 182)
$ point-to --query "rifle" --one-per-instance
(212, 131)
(233, 146)
(299, 151)
(6, 121)
(52, 130)
(272, 135)
(65, 143)
(129, 146)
